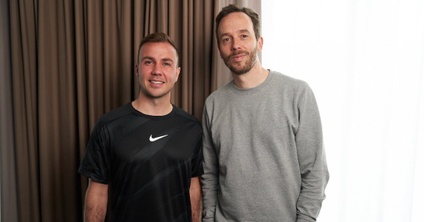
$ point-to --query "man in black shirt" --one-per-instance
(144, 159)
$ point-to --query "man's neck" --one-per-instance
(251, 79)
(153, 107)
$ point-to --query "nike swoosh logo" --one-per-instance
(153, 139)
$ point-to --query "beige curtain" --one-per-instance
(70, 62)
(65, 63)
(8, 195)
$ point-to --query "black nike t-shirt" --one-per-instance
(147, 161)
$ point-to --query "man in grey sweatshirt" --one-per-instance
(264, 158)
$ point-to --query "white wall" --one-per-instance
(364, 59)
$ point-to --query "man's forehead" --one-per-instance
(158, 47)
(236, 21)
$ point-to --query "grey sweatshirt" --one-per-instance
(263, 153)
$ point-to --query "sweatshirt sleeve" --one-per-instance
(210, 177)
(311, 155)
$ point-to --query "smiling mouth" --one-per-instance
(156, 82)
(238, 56)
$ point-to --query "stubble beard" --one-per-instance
(147, 94)
(251, 61)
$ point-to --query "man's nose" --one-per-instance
(157, 69)
(235, 44)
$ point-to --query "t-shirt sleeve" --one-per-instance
(95, 164)
(197, 160)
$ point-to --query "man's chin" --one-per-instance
(239, 71)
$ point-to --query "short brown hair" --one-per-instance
(156, 37)
(234, 8)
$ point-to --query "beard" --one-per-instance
(237, 67)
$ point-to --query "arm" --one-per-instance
(312, 161)
(210, 177)
(95, 202)
(195, 199)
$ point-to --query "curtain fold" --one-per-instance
(8, 195)
(24, 91)
(72, 61)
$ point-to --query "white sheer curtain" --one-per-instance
(364, 59)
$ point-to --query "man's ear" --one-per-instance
(137, 76)
(260, 43)
(178, 73)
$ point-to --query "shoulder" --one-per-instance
(221, 93)
(114, 115)
(187, 124)
(287, 81)
(185, 116)
(281, 83)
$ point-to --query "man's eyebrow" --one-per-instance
(147, 57)
(167, 60)
(224, 34)
(151, 58)
(238, 32)
(243, 31)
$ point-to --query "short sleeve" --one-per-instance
(197, 160)
(95, 164)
